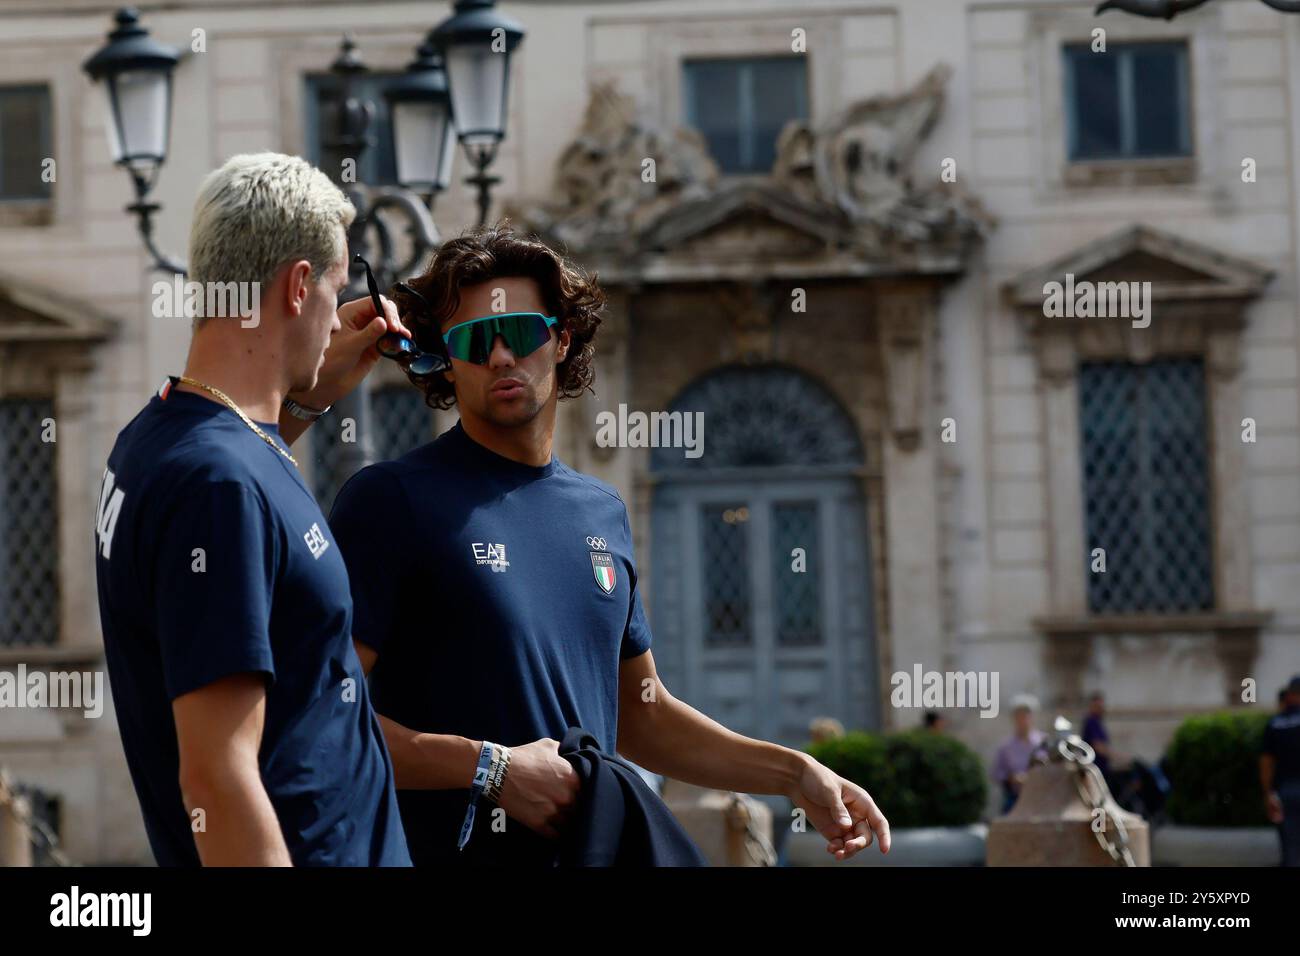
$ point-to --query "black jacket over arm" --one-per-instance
(619, 820)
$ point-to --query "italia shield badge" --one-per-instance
(602, 565)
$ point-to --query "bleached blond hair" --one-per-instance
(261, 210)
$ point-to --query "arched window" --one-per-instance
(758, 416)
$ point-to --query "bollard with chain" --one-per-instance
(1065, 815)
(747, 844)
(21, 829)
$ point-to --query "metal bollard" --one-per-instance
(731, 829)
(1065, 816)
(15, 840)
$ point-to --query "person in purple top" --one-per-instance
(1014, 756)
(1095, 736)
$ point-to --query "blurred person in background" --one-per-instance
(1279, 773)
(1095, 736)
(825, 728)
(1011, 766)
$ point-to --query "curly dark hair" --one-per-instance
(497, 252)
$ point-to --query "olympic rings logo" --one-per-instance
(597, 543)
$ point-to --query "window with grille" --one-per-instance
(741, 105)
(376, 165)
(1129, 102)
(326, 445)
(46, 830)
(29, 556)
(1146, 486)
(403, 422)
(725, 536)
(795, 524)
(24, 141)
(400, 422)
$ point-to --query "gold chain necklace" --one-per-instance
(229, 403)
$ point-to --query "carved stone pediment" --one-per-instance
(1197, 301)
(841, 191)
(30, 313)
(746, 219)
(1179, 270)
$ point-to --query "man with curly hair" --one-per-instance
(496, 595)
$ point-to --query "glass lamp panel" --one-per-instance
(477, 78)
(448, 155)
(417, 139)
(141, 117)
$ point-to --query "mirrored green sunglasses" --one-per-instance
(524, 333)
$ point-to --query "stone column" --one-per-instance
(1058, 366)
(1236, 648)
(1232, 585)
(78, 494)
(612, 387)
(905, 321)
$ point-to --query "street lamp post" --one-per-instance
(477, 42)
(137, 76)
(454, 89)
(349, 141)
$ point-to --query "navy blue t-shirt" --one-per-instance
(214, 559)
(1282, 741)
(500, 597)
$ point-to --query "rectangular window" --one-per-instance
(24, 141)
(376, 165)
(29, 552)
(741, 105)
(1146, 486)
(1131, 102)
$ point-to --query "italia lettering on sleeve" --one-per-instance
(110, 505)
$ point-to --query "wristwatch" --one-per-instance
(305, 412)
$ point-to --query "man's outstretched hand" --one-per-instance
(841, 811)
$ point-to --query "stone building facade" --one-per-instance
(860, 322)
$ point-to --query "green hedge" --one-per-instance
(1213, 769)
(917, 778)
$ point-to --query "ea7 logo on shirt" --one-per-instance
(316, 541)
(493, 555)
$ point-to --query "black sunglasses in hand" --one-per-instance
(393, 345)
